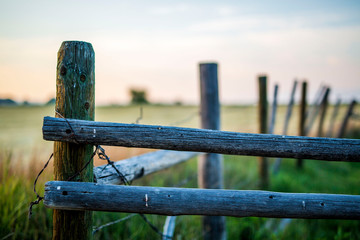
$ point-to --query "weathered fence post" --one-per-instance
(324, 105)
(263, 124)
(210, 165)
(75, 88)
(348, 114)
(302, 117)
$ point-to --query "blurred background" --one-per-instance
(156, 45)
(147, 55)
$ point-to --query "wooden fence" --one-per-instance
(187, 201)
(75, 135)
(200, 140)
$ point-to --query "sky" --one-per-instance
(157, 46)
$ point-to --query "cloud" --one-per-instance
(168, 10)
(159, 47)
(268, 22)
(236, 24)
(226, 10)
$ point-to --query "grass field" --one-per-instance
(23, 153)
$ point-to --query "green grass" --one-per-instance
(17, 175)
(16, 193)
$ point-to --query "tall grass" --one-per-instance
(16, 193)
(240, 173)
(17, 176)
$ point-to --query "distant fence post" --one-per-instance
(348, 114)
(302, 116)
(210, 165)
(324, 105)
(75, 87)
(263, 125)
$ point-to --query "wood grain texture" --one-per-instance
(75, 89)
(263, 128)
(201, 140)
(139, 166)
(187, 201)
(210, 165)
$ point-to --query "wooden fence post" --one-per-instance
(302, 116)
(210, 165)
(263, 124)
(75, 88)
(348, 114)
(324, 105)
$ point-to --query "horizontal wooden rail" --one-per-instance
(139, 166)
(200, 140)
(188, 201)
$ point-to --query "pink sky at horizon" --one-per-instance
(158, 46)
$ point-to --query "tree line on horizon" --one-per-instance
(137, 96)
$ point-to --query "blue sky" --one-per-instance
(157, 45)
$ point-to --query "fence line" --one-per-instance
(75, 99)
(188, 201)
(201, 140)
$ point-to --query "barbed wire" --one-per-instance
(100, 152)
(87, 164)
(102, 155)
(182, 183)
(153, 227)
(72, 130)
(140, 117)
(186, 120)
(96, 229)
(39, 198)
